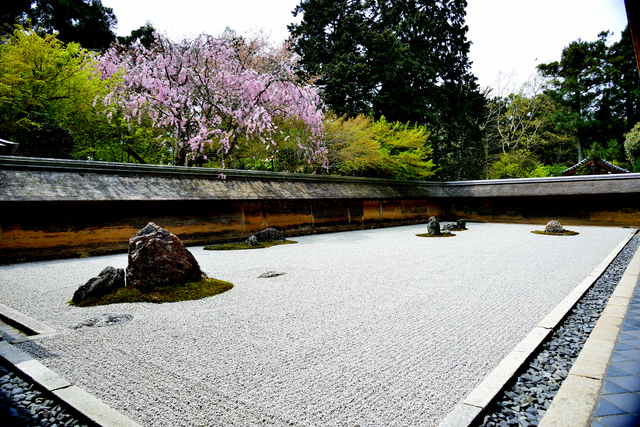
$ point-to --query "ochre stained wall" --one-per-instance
(41, 230)
(619, 210)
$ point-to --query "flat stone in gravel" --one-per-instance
(370, 327)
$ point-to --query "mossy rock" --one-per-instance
(183, 292)
(435, 235)
(238, 246)
(564, 233)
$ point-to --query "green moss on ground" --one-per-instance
(565, 233)
(242, 245)
(435, 235)
(184, 292)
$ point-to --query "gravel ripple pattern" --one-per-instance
(372, 327)
(526, 402)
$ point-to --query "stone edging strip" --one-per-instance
(578, 396)
(24, 323)
(70, 395)
(465, 413)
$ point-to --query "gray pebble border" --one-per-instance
(23, 405)
(526, 402)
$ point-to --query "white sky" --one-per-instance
(508, 36)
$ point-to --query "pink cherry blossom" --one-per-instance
(203, 91)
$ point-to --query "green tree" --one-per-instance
(600, 86)
(578, 78)
(404, 60)
(87, 22)
(145, 35)
(360, 146)
(623, 82)
(43, 81)
(47, 94)
(353, 149)
(632, 147)
(556, 140)
(514, 164)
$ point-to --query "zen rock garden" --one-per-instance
(157, 258)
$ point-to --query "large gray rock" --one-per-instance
(266, 235)
(554, 227)
(108, 282)
(433, 226)
(158, 258)
(462, 224)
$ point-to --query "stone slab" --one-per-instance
(573, 404)
(462, 416)
(31, 325)
(496, 380)
(615, 308)
(31, 368)
(626, 286)
(532, 341)
(93, 408)
(594, 358)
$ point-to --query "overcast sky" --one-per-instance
(507, 35)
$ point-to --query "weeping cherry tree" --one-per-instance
(202, 92)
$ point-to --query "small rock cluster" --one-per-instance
(156, 258)
(266, 235)
(435, 229)
(23, 405)
(526, 402)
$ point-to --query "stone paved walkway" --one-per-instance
(619, 404)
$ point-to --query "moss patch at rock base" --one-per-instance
(564, 233)
(183, 292)
(435, 235)
(242, 245)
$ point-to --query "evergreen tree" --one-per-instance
(624, 80)
(404, 60)
(599, 84)
(145, 35)
(86, 22)
(578, 80)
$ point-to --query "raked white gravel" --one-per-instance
(366, 328)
